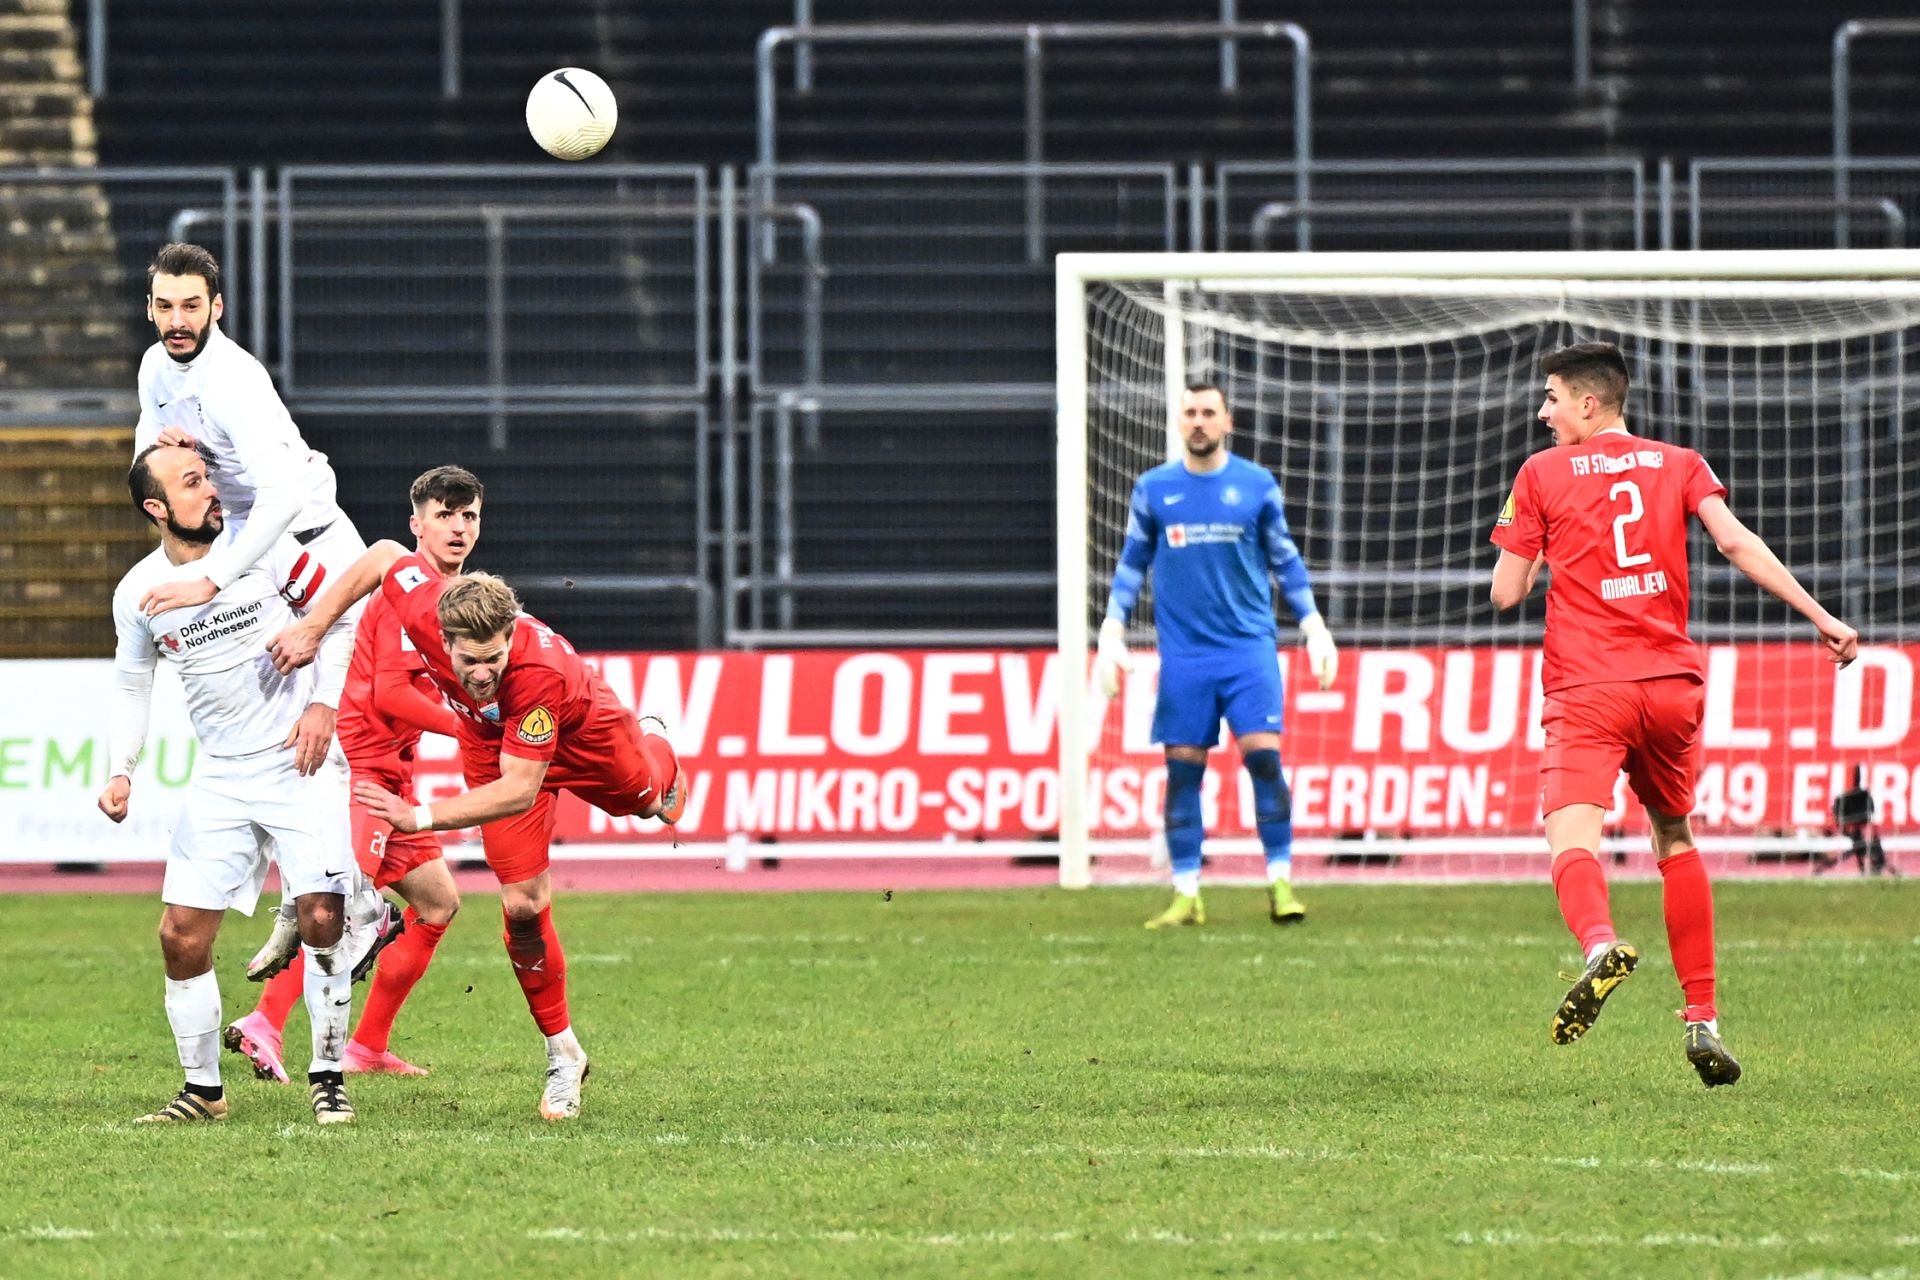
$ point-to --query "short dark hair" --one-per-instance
(181, 259)
(142, 484)
(454, 487)
(1226, 405)
(1597, 367)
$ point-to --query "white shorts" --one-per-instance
(243, 810)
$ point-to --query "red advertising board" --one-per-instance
(921, 745)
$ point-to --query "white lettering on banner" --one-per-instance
(850, 684)
(1536, 705)
(1031, 713)
(687, 714)
(1456, 702)
(1716, 722)
(1894, 714)
(1373, 703)
(1809, 806)
(776, 712)
(941, 703)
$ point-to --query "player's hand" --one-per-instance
(1112, 658)
(1842, 641)
(384, 804)
(177, 595)
(311, 737)
(293, 648)
(113, 800)
(176, 436)
(1323, 658)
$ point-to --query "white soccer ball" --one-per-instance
(571, 113)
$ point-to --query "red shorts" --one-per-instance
(1649, 728)
(628, 773)
(385, 855)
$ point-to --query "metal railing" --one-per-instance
(1582, 46)
(1584, 221)
(1033, 38)
(450, 43)
(1771, 191)
(1843, 41)
(1352, 187)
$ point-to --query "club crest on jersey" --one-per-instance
(537, 727)
(1230, 496)
(491, 711)
(1176, 535)
(1506, 513)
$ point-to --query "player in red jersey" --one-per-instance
(534, 719)
(389, 702)
(1623, 685)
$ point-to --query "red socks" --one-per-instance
(1582, 889)
(284, 990)
(1688, 900)
(541, 967)
(401, 965)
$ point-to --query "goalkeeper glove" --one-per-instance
(1322, 657)
(1112, 658)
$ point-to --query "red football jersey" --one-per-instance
(374, 743)
(546, 699)
(1611, 515)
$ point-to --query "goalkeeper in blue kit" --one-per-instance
(1212, 527)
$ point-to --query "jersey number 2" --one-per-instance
(1620, 522)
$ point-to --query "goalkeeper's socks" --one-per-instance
(1187, 883)
(1581, 887)
(1687, 898)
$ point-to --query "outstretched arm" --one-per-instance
(1748, 553)
(514, 791)
(294, 648)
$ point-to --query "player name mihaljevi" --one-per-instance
(1634, 584)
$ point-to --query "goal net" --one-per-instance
(1394, 398)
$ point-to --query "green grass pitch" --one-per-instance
(1006, 1084)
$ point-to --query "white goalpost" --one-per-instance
(1393, 396)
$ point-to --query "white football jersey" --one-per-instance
(238, 703)
(224, 399)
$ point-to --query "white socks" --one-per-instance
(193, 1011)
(329, 992)
(1279, 869)
(564, 1046)
(1186, 883)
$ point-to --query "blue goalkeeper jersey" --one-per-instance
(1211, 542)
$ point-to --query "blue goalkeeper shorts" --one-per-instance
(1198, 690)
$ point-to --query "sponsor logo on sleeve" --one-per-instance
(537, 727)
(1506, 514)
(410, 576)
(303, 581)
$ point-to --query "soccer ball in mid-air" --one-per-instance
(571, 113)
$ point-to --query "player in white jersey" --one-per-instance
(198, 387)
(266, 778)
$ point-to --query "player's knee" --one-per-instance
(438, 911)
(1183, 793)
(1272, 802)
(322, 917)
(182, 947)
(1669, 831)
